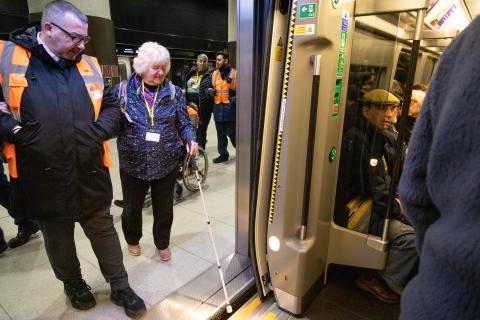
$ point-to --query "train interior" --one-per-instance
(291, 235)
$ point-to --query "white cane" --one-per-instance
(193, 163)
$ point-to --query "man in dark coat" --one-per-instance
(440, 188)
(57, 133)
(369, 151)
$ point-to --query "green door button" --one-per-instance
(333, 154)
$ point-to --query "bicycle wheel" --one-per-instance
(189, 179)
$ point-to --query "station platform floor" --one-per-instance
(29, 289)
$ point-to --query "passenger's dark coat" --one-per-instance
(59, 149)
(203, 100)
(440, 188)
(362, 152)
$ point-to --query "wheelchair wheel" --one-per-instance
(189, 179)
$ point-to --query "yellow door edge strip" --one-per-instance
(286, 77)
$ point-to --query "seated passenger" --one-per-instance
(416, 102)
(420, 86)
(413, 112)
(370, 150)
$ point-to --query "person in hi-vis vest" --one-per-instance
(59, 117)
(223, 90)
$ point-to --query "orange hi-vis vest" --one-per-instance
(223, 86)
(14, 62)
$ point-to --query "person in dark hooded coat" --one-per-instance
(440, 188)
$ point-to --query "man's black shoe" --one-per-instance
(146, 204)
(119, 203)
(3, 247)
(128, 299)
(221, 158)
(23, 236)
(78, 291)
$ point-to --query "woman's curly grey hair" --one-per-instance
(151, 53)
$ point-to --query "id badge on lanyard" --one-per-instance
(152, 136)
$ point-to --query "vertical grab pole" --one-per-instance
(312, 127)
(403, 119)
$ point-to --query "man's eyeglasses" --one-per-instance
(76, 38)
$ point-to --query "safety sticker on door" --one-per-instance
(340, 63)
(304, 29)
(279, 50)
(308, 10)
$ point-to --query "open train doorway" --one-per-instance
(303, 68)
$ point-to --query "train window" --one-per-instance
(369, 68)
(428, 69)
(400, 77)
(369, 137)
(122, 68)
(179, 69)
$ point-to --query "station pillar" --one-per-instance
(232, 31)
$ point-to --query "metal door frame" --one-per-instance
(245, 40)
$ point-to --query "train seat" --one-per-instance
(359, 212)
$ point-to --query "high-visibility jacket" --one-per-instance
(14, 62)
(222, 86)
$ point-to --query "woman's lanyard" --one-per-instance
(151, 109)
(197, 79)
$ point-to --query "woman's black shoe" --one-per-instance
(146, 204)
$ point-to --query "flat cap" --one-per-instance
(380, 96)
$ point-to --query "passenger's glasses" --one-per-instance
(76, 38)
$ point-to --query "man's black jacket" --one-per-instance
(59, 150)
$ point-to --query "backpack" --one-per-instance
(122, 93)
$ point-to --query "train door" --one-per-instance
(301, 222)
(124, 66)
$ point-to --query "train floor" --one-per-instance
(29, 289)
(340, 299)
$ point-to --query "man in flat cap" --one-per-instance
(368, 154)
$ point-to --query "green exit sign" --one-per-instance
(308, 10)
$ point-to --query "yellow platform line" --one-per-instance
(248, 310)
(270, 316)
